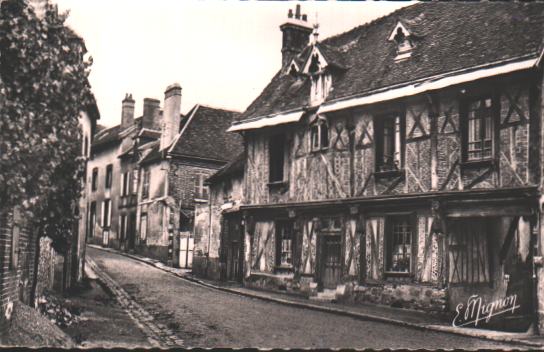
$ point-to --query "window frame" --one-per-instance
(145, 183)
(379, 141)
(276, 160)
(143, 229)
(464, 112)
(200, 190)
(283, 226)
(92, 219)
(134, 183)
(109, 176)
(389, 222)
(106, 213)
(94, 180)
(316, 131)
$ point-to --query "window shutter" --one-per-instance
(122, 184)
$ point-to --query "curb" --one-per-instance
(361, 316)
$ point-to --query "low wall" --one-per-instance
(414, 296)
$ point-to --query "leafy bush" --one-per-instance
(43, 89)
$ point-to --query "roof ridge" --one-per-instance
(219, 108)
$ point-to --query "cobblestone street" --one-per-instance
(176, 312)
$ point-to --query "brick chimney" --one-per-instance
(296, 35)
(151, 116)
(170, 116)
(127, 111)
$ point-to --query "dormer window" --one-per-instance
(319, 134)
(402, 37)
(314, 64)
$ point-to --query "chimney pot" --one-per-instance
(297, 13)
(171, 115)
(305, 17)
(290, 14)
(127, 111)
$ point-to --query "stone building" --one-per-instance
(172, 175)
(399, 163)
(219, 246)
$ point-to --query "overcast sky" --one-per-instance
(222, 53)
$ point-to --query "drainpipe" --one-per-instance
(535, 251)
(209, 229)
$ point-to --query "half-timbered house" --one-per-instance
(399, 163)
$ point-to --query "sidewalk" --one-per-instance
(397, 316)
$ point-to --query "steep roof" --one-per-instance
(234, 167)
(204, 135)
(449, 36)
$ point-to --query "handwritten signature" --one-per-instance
(476, 310)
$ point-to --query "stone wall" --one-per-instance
(415, 296)
(17, 273)
(46, 266)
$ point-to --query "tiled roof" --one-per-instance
(234, 167)
(449, 36)
(151, 154)
(204, 135)
(107, 135)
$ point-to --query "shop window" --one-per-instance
(94, 180)
(143, 227)
(469, 252)
(276, 158)
(399, 234)
(389, 138)
(319, 135)
(145, 186)
(109, 175)
(284, 243)
(478, 129)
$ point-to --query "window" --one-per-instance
(319, 135)
(109, 175)
(145, 187)
(86, 146)
(284, 243)
(389, 138)
(143, 227)
(276, 157)
(122, 227)
(124, 184)
(94, 181)
(135, 181)
(201, 191)
(106, 213)
(92, 219)
(399, 244)
(479, 129)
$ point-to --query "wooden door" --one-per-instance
(233, 248)
(332, 261)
